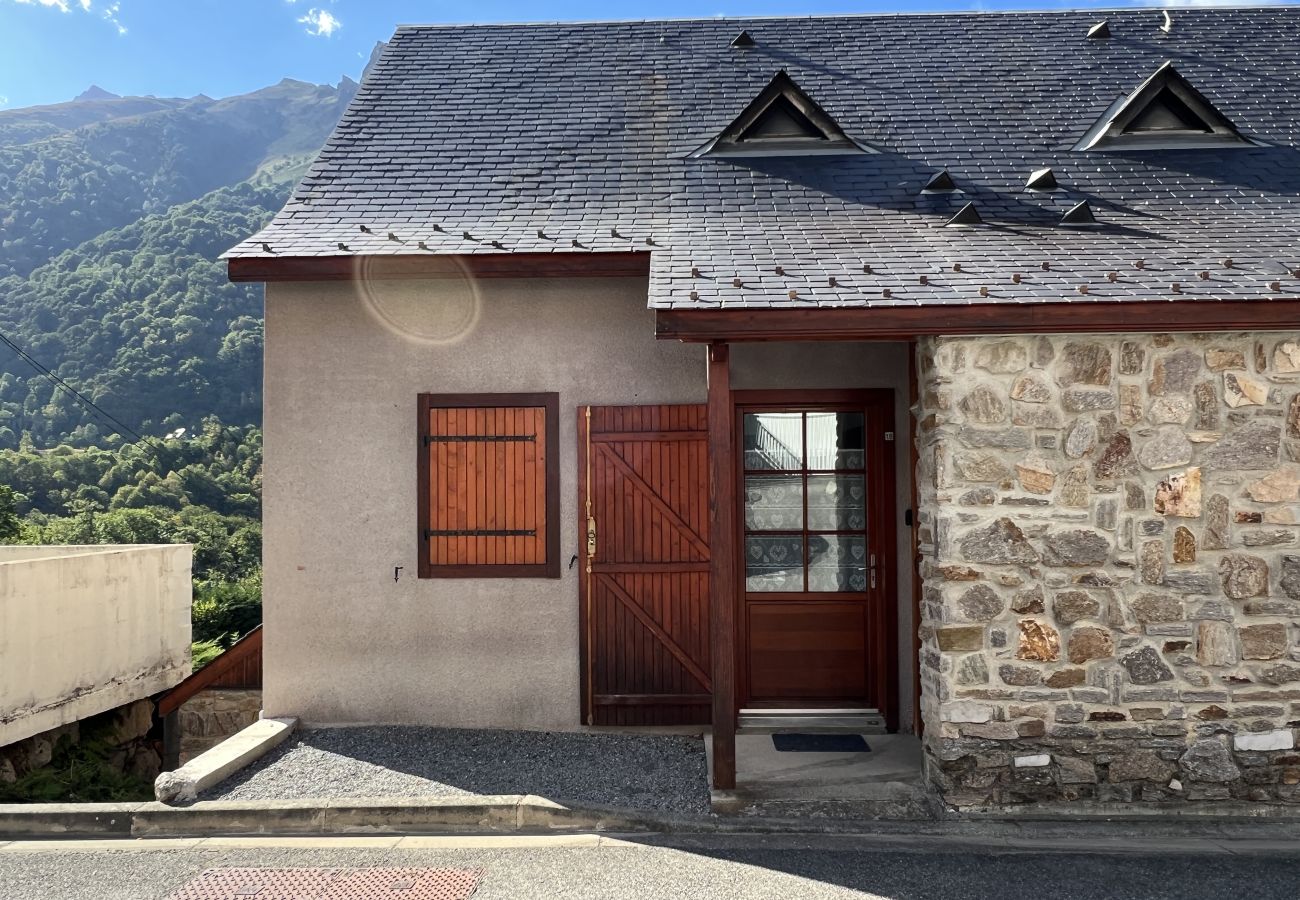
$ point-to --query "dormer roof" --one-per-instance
(1165, 112)
(782, 121)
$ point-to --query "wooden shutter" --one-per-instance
(645, 590)
(488, 486)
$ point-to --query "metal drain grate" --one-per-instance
(330, 884)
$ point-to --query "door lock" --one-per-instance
(871, 570)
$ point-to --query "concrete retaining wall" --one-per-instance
(87, 629)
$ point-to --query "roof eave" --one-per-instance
(899, 322)
(353, 267)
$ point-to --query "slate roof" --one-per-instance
(574, 138)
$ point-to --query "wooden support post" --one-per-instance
(172, 741)
(722, 565)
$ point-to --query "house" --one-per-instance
(929, 373)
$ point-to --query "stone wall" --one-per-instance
(211, 716)
(129, 731)
(1111, 571)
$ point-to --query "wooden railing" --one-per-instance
(238, 667)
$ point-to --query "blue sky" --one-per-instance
(51, 50)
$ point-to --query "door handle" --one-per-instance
(871, 571)
(591, 537)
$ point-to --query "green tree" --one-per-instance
(10, 524)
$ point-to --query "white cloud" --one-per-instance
(109, 12)
(320, 22)
(60, 5)
(4, 101)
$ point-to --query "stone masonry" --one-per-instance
(1111, 567)
(211, 716)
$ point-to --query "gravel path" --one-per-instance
(660, 772)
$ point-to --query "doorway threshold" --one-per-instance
(811, 721)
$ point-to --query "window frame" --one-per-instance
(805, 474)
(548, 401)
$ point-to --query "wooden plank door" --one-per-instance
(644, 594)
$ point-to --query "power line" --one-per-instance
(106, 417)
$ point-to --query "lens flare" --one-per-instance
(439, 305)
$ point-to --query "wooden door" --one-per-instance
(816, 550)
(644, 595)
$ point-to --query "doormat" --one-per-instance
(820, 743)
(330, 884)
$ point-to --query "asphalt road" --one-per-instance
(780, 868)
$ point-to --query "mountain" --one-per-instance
(113, 211)
(73, 170)
(95, 92)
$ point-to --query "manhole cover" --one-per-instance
(330, 884)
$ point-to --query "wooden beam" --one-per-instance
(479, 265)
(722, 565)
(914, 555)
(891, 323)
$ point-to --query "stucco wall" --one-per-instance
(345, 642)
(88, 629)
(1112, 601)
(835, 365)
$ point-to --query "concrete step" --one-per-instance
(811, 721)
(896, 800)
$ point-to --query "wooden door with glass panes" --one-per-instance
(817, 519)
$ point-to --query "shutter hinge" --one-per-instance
(471, 532)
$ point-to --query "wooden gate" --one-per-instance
(643, 507)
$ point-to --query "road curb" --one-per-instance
(519, 814)
(426, 815)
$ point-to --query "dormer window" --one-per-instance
(1165, 113)
(782, 121)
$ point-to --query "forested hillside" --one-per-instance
(143, 321)
(113, 211)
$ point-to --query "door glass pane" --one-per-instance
(773, 441)
(837, 562)
(836, 440)
(773, 502)
(774, 562)
(837, 503)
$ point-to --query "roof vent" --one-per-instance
(1100, 30)
(742, 40)
(939, 182)
(967, 215)
(1079, 214)
(782, 121)
(1041, 180)
(1165, 112)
